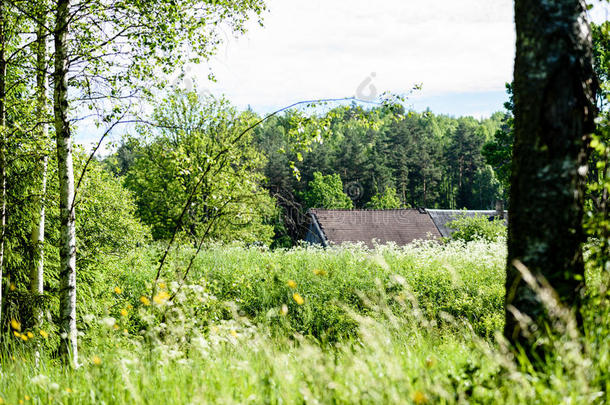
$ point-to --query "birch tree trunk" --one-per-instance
(67, 251)
(2, 147)
(38, 225)
(554, 92)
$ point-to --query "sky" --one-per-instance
(461, 52)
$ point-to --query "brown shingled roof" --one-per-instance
(399, 226)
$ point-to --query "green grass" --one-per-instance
(395, 325)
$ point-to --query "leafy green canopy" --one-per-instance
(197, 146)
(327, 192)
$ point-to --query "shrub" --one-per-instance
(478, 227)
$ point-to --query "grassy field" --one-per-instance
(394, 325)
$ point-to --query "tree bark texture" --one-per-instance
(554, 91)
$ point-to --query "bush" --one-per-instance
(468, 229)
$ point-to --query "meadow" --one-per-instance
(417, 324)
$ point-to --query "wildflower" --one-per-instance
(233, 333)
(284, 310)
(69, 390)
(1, 400)
(123, 312)
(161, 298)
(291, 284)
(118, 290)
(96, 360)
(30, 335)
(12, 287)
(298, 299)
(125, 331)
(420, 398)
(15, 324)
(129, 306)
(24, 337)
(27, 398)
(144, 300)
(108, 322)
(21, 402)
(116, 327)
(53, 387)
(162, 286)
(319, 272)
(43, 334)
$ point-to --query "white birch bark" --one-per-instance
(2, 146)
(67, 250)
(38, 225)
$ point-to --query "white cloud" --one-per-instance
(327, 48)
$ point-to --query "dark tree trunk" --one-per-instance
(554, 111)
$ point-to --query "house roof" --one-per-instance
(442, 217)
(400, 226)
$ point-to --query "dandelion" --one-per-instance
(96, 360)
(123, 312)
(21, 402)
(12, 287)
(43, 334)
(118, 290)
(17, 334)
(161, 298)
(284, 310)
(298, 299)
(116, 327)
(15, 324)
(162, 286)
(233, 333)
(291, 284)
(69, 390)
(144, 300)
(27, 398)
(420, 398)
(319, 272)
(24, 337)
(125, 331)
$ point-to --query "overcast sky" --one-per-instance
(460, 51)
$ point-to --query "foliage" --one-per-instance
(477, 227)
(413, 344)
(197, 149)
(327, 192)
(385, 201)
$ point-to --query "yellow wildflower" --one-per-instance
(291, 284)
(30, 335)
(116, 327)
(129, 306)
(144, 300)
(319, 272)
(1, 400)
(17, 334)
(12, 287)
(69, 390)
(24, 337)
(233, 333)
(21, 402)
(420, 398)
(125, 331)
(27, 398)
(298, 299)
(44, 334)
(284, 310)
(118, 290)
(162, 286)
(15, 324)
(161, 298)
(96, 360)
(123, 312)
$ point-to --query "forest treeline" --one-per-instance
(370, 158)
